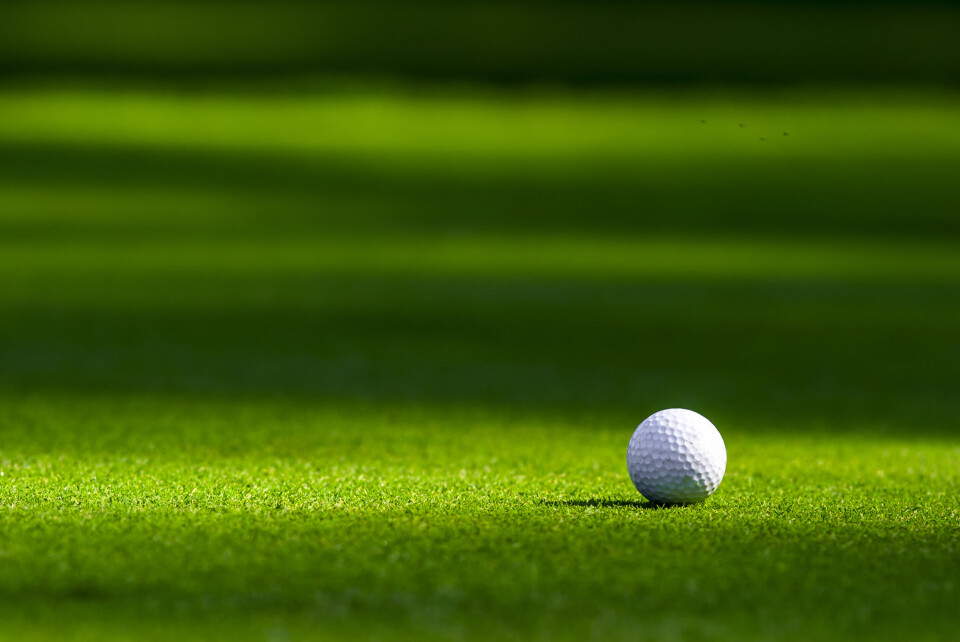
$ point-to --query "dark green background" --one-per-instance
(769, 42)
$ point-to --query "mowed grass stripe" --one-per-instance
(504, 257)
(473, 128)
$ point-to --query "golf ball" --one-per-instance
(676, 456)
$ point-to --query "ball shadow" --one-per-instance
(597, 502)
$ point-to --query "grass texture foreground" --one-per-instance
(339, 362)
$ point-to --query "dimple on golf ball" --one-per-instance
(676, 456)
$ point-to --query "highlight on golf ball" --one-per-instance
(676, 456)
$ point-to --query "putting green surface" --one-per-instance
(360, 363)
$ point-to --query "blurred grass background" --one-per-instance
(335, 318)
(450, 246)
(780, 41)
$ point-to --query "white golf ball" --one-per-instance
(676, 456)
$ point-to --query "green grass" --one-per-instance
(778, 41)
(364, 363)
(459, 522)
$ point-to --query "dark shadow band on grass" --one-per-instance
(597, 502)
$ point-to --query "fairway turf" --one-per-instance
(365, 363)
